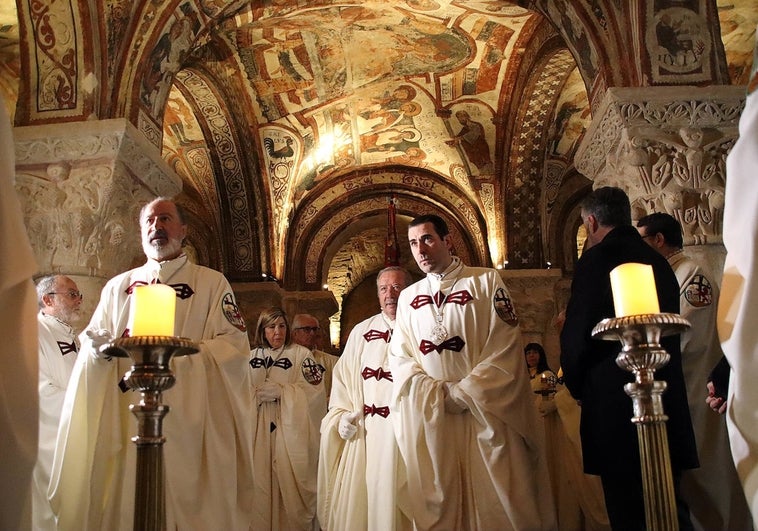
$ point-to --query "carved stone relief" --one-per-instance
(81, 186)
(667, 148)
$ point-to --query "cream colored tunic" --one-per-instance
(713, 491)
(58, 346)
(18, 354)
(739, 297)
(358, 478)
(285, 443)
(208, 464)
(484, 468)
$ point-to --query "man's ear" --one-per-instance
(448, 243)
(592, 223)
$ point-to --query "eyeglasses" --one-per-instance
(309, 329)
(72, 294)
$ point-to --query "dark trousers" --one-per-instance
(624, 500)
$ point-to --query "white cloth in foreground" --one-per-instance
(358, 480)
(739, 295)
(18, 355)
(208, 468)
(713, 491)
(483, 468)
(58, 346)
(285, 443)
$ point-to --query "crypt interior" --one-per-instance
(301, 137)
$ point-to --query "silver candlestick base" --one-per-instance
(642, 355)
(150, 375)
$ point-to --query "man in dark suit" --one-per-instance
(609, 439)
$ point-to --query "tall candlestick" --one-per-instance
(153, 310)
(634, 292)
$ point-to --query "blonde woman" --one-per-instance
(291, 401)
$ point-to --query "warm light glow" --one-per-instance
(334, 332)
(153, 310)
(495, 251)
(634, 292)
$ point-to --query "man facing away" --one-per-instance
(713, 491)
(208, 467)
(59, 302)
(462, 406)
(609, 439)
(358, 460)
(307, 332)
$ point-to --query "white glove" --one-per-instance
(348, 426)
(268, 392)
(546, 407)
(100, 338)
(452, 405)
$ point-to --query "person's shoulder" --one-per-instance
(298, 350)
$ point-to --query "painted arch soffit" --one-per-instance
(468, 243)
(312, 211)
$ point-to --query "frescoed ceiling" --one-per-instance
(291, 122)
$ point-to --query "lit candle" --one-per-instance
(153, 310)
(634, 292)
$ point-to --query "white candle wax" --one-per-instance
(634, 292)
(153, 310)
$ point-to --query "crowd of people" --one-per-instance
(431, 416)
(436, 416)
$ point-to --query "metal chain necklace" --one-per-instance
(439, 332)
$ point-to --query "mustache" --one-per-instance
(160, 233)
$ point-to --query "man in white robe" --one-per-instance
(208, 430)
(739, 295)
(712, 492)
(462, 405)
(18, 354)
(358, 459)
(60, 306)
(306, 332)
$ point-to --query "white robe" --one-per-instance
(739, 297)
(358, 481)
(58, 346)
(713, 491)
(285, 443)
(484, 468)
(18, 354)
(208, 469)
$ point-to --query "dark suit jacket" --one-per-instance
(609, 439)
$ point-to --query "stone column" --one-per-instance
(81, 186)
(667, 147)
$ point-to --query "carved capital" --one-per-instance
(81, 186)
(667, 147)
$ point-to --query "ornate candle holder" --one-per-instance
(642, 354)
(150, 375)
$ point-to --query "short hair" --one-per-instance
(300, 317)
(666, 224)
(267, 317)
(44, 286)
(440, 227)
(542, 365)
(609, 205)
(180, 212)
(406, 274)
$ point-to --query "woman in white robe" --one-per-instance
(291, 401)
(578, 497)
